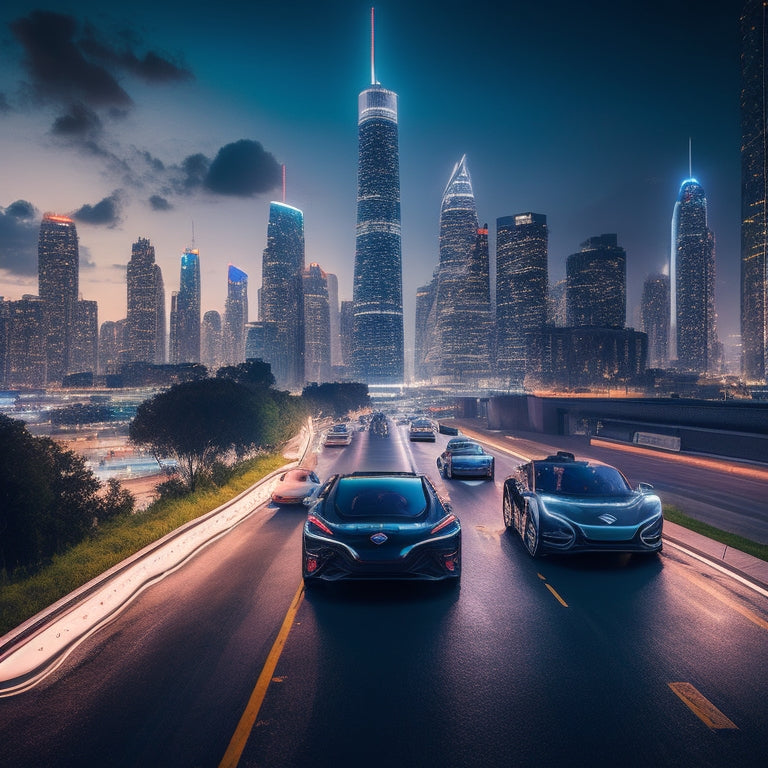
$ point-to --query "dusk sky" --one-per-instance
(165, 118)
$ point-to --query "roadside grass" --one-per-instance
(118, 539)
(674, 515)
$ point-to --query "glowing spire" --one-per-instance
(373, 68)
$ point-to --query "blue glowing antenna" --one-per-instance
(373, 69)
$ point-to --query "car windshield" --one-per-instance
(377, 497)
(580, 480)
(468, 449)
(339, 428)
(421, 425)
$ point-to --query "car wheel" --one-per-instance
(506, 510)
(531, 537)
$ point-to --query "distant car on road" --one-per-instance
(463, 457)
(338, 434)
(295, 485)
(445, 429)
(421, 429)
(560, 504)
(380, 525)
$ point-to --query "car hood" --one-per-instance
(609, 511)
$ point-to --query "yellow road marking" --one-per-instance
(248, 719)
(745, 612)
(557, 597)
(704, 709)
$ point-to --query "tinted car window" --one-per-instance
(580, 480)
(468, 449)
(371, 497)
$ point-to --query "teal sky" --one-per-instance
(582, 112)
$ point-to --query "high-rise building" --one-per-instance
(556, 304)
(235, 316)
(145, 319)
(377, 340)
(185, 311)
(458, 237)
(692, 282)
(333, 300)
(317, 324)
(112, 346)
(84, 345)
(425, 300)
(58, 264)
(596, 290)
(522, 281)
(26, 358)
(655, 319)
(346, 324)
(754, 191)
(211, 355)
(282, 297)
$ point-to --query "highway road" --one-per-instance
(612, 660)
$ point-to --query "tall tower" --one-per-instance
(210, 341)
(317, 320)
(655, 319)
(754, 191)
(522, 281)
(377, 342)
(58, 263)
(235, 316)
(596, 291)
(145, 320)
(282, 296)
(458, 236)
(692, 281)
(185, 311)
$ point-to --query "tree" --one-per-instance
(253, 373)
(198, 422)
(336, 399)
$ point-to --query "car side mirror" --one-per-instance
(644, 487)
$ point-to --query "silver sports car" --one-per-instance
(559, 504)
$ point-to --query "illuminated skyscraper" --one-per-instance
(754, 191)
(210, 341)
(522, 280)
(84, 345)
(317, 323)
(655, 319)
(111, 346)
(459, 324)
(235, 316)
(377, 341)
(58, 264)
(282, 297)
(27, 331)
(425, 301)
(692, 282)
(185, 311)
(596, 289)
(145, 320)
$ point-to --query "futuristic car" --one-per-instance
(380, 525)
(466, 458)
(338, 434)
(559, 504)
(421, 429)
(295, 485)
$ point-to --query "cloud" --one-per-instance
(105, 212)
(19, 233)
(78, 122)
(243, 168)
(4, 105)
(158, 203)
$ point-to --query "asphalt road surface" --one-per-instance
(610, 660)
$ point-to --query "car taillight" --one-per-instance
(311, 563)
(451, 562)
(445, 522)
(316, 521)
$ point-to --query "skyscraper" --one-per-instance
(425, 300)
(596, 289)
(754, 191)
(655, 319)
(458, 239)
(377, 342)
(145, 320)
(333, 300)
(185, 311)
(692, 281)
(210, 341)
(317, 323)
(84, 345)
(282, 297)
(235, 316)
(58, 264)
(522, 281)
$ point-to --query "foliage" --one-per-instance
(336, 399)
(253, 373)
(116, 501)
(49, 499)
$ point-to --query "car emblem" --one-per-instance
(609, 519)
(379, 538)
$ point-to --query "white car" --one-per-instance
(295, 485)
(338, 434)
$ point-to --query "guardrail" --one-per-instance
(38, 646)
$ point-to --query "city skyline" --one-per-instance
(602, 150)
